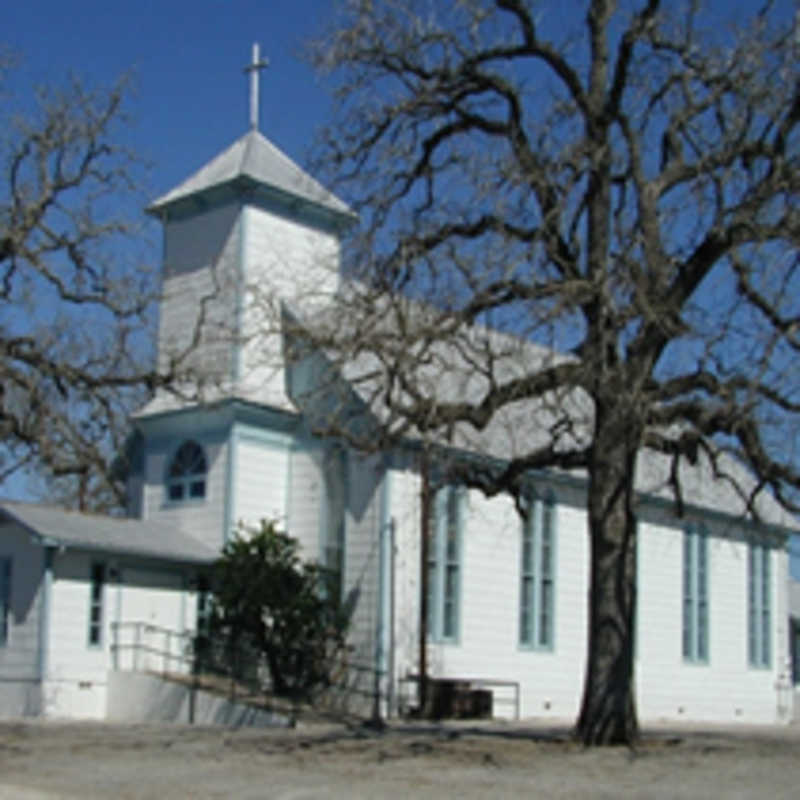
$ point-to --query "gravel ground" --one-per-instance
(41, 760)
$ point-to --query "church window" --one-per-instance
(96, 584)
(5, 598)
(186, 479)
(204, 606)
(537, 574)
(444, 564)
(758, 605)
(695, 593)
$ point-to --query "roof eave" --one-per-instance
(246, 189)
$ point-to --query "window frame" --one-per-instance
(759, 605)
(204, 606)
(537, 586)
(445, 565)
(98, 578)
(695, 605)
(188, 479)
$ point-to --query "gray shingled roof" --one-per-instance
(95, 532)
(253, 158)
(521, 427)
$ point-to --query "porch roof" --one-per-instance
(100, 533)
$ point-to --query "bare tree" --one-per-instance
(580, 243)
(76, 307)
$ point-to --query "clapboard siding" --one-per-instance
(200, 285)
(75, 683)
(283, 261)
(488, 646)
(361, 571)
(362, 558)
(19, 656)
(405, 512)
(135, 590)
(306, 496)
(203, 519)
(20, 693)
(725, 688)
(159, 597)
(299, 263)
(259, 478)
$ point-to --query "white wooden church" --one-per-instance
(507, 601)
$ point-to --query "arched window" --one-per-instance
(186, 479)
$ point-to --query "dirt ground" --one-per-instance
(40, 760)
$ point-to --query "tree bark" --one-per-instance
(608, 712)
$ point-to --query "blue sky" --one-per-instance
(186, 59)
(190, 95)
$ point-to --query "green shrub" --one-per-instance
(267, 597)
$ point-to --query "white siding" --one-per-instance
(19, 656)
(260, 478)
(488, 643)
(726, 689)
(405, 511)
(75, 684)
(201, 256)
(362, 566)
(361, 548)
(203, 519)
(283, 260)
(306, 493)
(154, 611)
(299, 261)
(76, 681)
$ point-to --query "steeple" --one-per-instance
(253, 168)
(245, 234)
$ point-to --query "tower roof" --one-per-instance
(253, 163)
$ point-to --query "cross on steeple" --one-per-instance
(254, 67)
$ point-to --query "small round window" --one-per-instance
(187, 473)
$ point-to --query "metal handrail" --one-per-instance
(186, 659)
(166, 654)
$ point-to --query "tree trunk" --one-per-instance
(608, 712)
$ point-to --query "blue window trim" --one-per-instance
(445, 569)
(5, 598)
(96, 616)
(204, 601)
(695, 605)
(536, 630)
(193, 486)
(759, 606)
